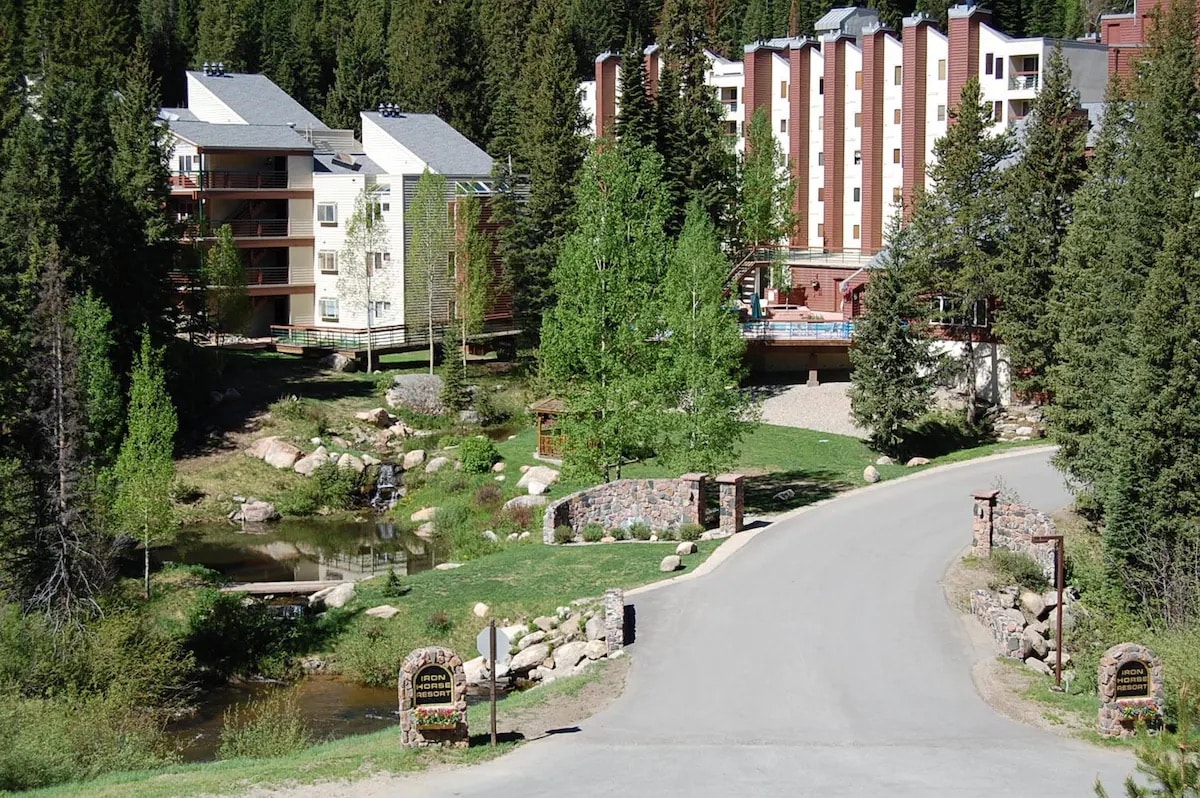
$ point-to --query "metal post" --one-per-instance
(492, 655)
(1059, 578)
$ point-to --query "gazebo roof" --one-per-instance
(549, 405)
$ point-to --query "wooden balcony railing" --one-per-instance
(228, 180)
(252, 228)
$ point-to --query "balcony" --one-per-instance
(831, 331)
(731, 106)
(230, 180)
(1023, 81)
(252, 229)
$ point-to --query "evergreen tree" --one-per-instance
(425, 264)
(1040, 193)
(893, 377)
(103, 409)
(360, 266)
(225, 286)
(145, 469)
(959, 231)
(700, 362)
(635, 117)
(758, 25)
(12, 73)
(766, 190)
(503, 27)
(454, 370)
(229, 32)
(360, 83)
(473, 278)
(597, 351)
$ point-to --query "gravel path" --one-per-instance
(821, 407)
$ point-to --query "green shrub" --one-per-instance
(690, 532)
(184, 492)
(439, 624)
(489, 495)
(392, 584)
(514, 519)
(1017, 568)
(639, 531)
(593, 532)
(329, 486)
(308, 416)
(619, 533)
(451, 517)
(563, 534)
(269, 726)
(478, 455)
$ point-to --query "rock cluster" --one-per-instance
(420, 393)
(1020, 423)
(1022, 623)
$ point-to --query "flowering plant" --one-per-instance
(1145, 709)
(436, 716)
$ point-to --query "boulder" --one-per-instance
(1009, 597)
(1039, 666)
(523, 535)
(447, 566)
(339, 362)
(608, 539)
(320, 594)
(400, 430)
(568, 655)
(595, 649)
(340, 595)
(436, 464)
(884, 460)
(420, 393)
(524, 469)
(546, 622)
(498, 467)
(469, 417)
(384, 611)
(685, 548)
(282, 454)
(369, 461)
(531, 639)
(425, 531)
(349, 461)
(255, 512)
(476, 670)
(913, 462)
(499, 477)
(413, 459)
(481, 610)
(490, 535)
(305, 466)
(871, 475)
(529, 658)
(569, 626)
(376, 416)
(512, 537)
(1026, 432)
(1050, 599)
(1036, 643)
(546, 476)
(526, 501)
(536, 488)
(670, 563)
(260, 447)
(1032, 603)
(543, 674)
(424, 514)
(594, 628)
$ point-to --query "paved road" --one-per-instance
(821, 660)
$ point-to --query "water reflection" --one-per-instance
(294, 551)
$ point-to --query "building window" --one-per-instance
(987, 64)
(327, 214)
(857, 157)
(820, 194)
(896, 116)
(328, 309)
(783, 87)
(820, 159)
(783, 126)
(941, 69)
(854, 231)
(896, 155)
(857, 119)
(999, 68)
(187, 163)
(857, 194)
(949, 312)
(997, 111)
(941, 113)
(377, 260)
(896, 195)
(327, 262)
(820, 85)
(899, 75)
(821, 229)
(820, 123)
(381, 310)
(858, 80)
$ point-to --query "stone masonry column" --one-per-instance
(981, 527)
(614, 619)
(696, 486)
(732, 502)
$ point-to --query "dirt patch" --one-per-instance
(563, 710)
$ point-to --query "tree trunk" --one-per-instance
(146, 571)
(972, 385)
(370, 365)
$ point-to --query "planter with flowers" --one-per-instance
(1143, 711)
(435, 718)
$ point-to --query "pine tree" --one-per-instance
(145, 469)
(503, 27)
(229, 32)
(360, 82)
(597, 351)
(225, 283)
(635, 117)
(103, 409)
(893, 377)
(700, 362)
(425, 261)
(12, 74)
(473, 278)
(1040, 193)
(454, 373)
(765, 187)
(758, 25)
(958, 229)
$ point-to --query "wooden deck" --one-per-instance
(279, 588)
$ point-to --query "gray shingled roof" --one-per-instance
(176, 114)
(323, 164)
(834, 19)
(240, 137)
(258, 101)
(435, 142)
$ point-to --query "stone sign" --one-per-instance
(433, 699)
(1133, 680)
(1130, 680)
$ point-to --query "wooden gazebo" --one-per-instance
(550, 439)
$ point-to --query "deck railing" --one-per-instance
(390, 336)
(253, 228)
(228, 180)
(798, 330)
(1023, 82)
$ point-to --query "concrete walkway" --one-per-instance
(821, 660)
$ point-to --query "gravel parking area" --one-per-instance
(823, 407)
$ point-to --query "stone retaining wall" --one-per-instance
(1004, 623)
(1012, 526)
(660, 504)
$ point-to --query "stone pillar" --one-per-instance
(432, 680)
(614, 619)
(696, 486)
(1130, 683)
(732, 502)
(813, 374)
(981, 527)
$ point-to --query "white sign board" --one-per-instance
(503, 644)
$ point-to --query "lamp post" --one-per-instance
(1057, 540)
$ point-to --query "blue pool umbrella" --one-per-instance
(755, 307)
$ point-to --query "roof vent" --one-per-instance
(389, 109)
(214, 68)
(345, 159)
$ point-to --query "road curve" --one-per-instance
(821, 660)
